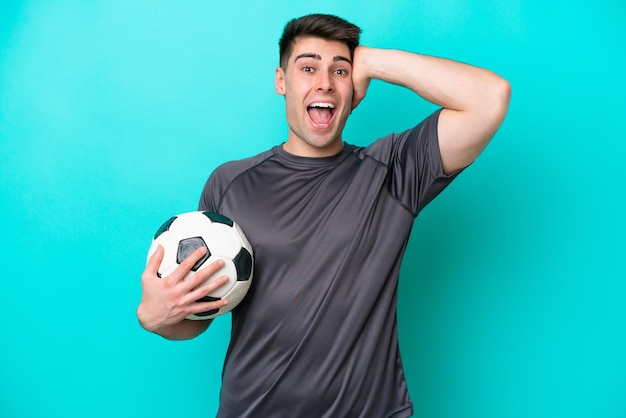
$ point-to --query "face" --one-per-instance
(317, 85)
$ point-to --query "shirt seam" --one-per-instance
(386, 185)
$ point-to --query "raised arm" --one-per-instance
(474, 100)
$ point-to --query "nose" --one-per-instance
(324, 82)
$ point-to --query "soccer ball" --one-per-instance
(182, 234)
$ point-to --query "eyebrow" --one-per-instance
(318, 57)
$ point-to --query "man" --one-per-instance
(316, 336)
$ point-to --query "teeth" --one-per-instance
(322, 104)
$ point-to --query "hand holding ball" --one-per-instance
(182, 234)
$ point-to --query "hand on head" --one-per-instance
(360, 78)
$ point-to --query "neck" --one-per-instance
(301, 148)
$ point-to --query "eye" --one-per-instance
(341, 71)
(307, 69)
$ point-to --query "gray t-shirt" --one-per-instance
(316, 336)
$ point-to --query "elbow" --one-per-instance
(501, 98)
(494, 105)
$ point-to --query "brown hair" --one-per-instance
(323, 26)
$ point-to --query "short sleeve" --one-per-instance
(413, 157)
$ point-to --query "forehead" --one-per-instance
(326, 49)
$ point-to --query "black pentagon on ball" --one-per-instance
(165, 227)
(243, 264)
(216, 217)
(189, 245)
(208, 299)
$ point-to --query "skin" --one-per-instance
(166, 302)
(474, 102)
(317, 71)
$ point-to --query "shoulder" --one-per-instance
(389, 147)
(222, 177)
(227, 171)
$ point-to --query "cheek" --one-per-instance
(294, 99)
(293, 93)
(346, 90)
(294, 111)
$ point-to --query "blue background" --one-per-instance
(113, 114)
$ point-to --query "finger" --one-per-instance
(202, 275)
(212, 306)
(155, 260)
(187, 264)
(205, 290)
(212, 268)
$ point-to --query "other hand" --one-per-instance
(360, 77)
(167, 301)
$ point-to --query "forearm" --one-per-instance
(450, 84)
(184, 330)
(475, 100)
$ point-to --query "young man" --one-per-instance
(329, 222)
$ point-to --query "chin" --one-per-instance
(318, 142)
(323, 141)
(327, 148)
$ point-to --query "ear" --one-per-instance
(279, 81)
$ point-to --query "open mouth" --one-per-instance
(321, 113)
